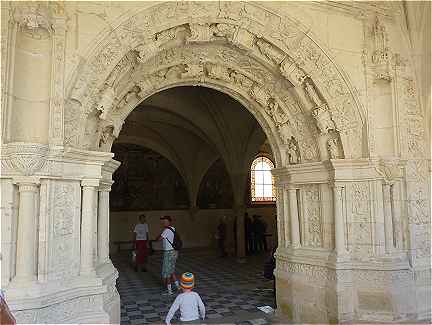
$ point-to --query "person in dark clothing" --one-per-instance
(222, 231)
(235, 234)
(255, 234)
(269, 268)
(248, 234)
(261, 234)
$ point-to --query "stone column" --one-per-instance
(88, 194)
(281, 217)
(26, 241)
(295, 230)
(388, 219)
(340, 245)
(103, 225)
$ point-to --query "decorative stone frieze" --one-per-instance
(26, 158)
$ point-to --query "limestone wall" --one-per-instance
(197, 229)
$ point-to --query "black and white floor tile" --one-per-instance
(230, 291)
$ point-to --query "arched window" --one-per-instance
(262, 183)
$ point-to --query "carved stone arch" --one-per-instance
(290, 54)
(252, 107)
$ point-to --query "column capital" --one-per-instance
(26, 184)
(337, 185)
(105, 186)
(90, 182)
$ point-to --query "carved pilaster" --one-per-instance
(56, 131)
(89, 187)
(103, 225)
(339, 220)
(26, 241)
(294, 218)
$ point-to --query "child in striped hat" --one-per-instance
(189, 302)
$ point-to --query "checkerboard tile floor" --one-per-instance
(230, 291)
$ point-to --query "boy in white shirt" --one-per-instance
(189, 302)
(141, 243)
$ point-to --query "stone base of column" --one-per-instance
(315, 289)
(78, 300)
(23, 282)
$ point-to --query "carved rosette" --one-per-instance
(26, 158)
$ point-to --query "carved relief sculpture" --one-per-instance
(279, 115)
(32, 16)
(323, 119)
(106, 136)
(292, 72)
(218, 72)
(199, 33)
(146, 51)
(240, 79)
(271, 52)
(244, 39)
(312, 93)
(193, 70)
(106, 102)
(293, 152)
(334, 148)
(169, 34)
(380, 50)
(223, 30)
(260, 95)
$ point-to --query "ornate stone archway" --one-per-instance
(281, 75)
(292, 88)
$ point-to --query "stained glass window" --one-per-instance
(262, 183)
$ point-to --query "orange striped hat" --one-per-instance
(187, 280)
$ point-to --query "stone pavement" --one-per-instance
(230, 291)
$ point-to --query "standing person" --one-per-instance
(169, 254)
(141, 232)
(221, 230)
(235, 234)
(255, 234)
(189, 302)
(262, 228)
(248, 233)
(269, 268)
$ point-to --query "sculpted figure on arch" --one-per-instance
(334, 148)
(312, 93)
(293, 154)
(106, 102)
